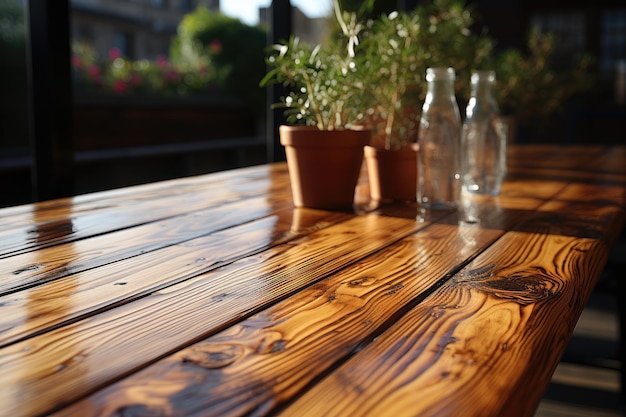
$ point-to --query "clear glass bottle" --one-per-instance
(483, 138)
(439, 139)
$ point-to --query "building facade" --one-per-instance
(139, 29)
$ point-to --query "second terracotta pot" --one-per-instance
(392, 173)
(324, 166)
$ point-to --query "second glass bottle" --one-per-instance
(483, 138)
(439, 139)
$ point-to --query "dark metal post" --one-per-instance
(280, 30)
(50, 94)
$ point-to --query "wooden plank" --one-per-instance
(602, 223)
(591, 164)
(428, 244)
(611, 161)
(552, 156)
(254, 366)
(567, 175)
(53, 210)
(601, 195)
(133, 277)
(53, 369)
(66, 363)
(205, 185)
(583, 210)
(573, 209)
(35, 268)
(161, 187)
(486, 342)
(115, 215)
(517, 193)
(517, 200)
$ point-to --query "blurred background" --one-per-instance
(162, 89)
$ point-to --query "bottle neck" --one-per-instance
(483, 90)
(443, 88)
(483, 100)
(483, 83)
(440, 83)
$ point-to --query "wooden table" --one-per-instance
(212, 295)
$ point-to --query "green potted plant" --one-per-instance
(324, 140)
(389, 63)
(393, 56)
(372, 75)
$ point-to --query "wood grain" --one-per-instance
(11, 217)
(591, 164)
(295, 342)
(609, 166)
(398, 277)
(50, 263)
(43, 227)
(512, 309)
(213, 295)
(57, 367)
(135, 277)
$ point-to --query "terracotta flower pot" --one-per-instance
(392, 173)
(324, 166)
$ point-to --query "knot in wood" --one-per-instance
(214, 356)
(271, 343)
(523, 287)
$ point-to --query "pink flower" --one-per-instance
(77, 62)
(171, 76)
(162, 62)
(135, 79)
(94, 72)
(119, 86)
(114, 53)
(215, 47)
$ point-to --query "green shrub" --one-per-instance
(236, 50)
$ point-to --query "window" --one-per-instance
(613, 48)
(14, 135)
(569, 28)
(186, 5)
(124, 43)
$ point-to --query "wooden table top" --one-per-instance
(214, 296)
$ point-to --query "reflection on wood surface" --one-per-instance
(214, 296)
